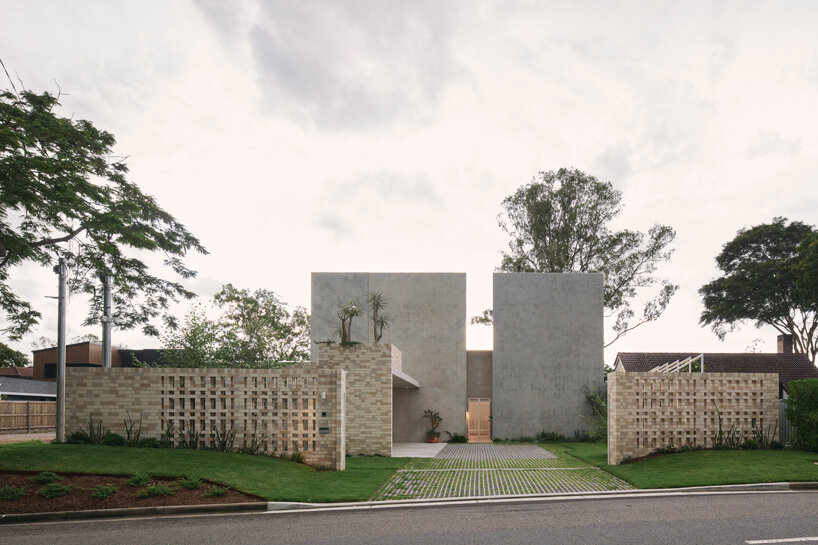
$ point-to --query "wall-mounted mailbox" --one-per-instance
(323, 430)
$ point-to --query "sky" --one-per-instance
(293, 137)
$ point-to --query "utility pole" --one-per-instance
(107, 318)
(62, 270)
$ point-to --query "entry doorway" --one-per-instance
(478, 420)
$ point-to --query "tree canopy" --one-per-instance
(10, 357)
(560, 222)
(769, 275)
(64, 194)
(255, 329)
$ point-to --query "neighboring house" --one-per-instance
(788, 365)
(18, 372)
(26, 389)
(87, 354)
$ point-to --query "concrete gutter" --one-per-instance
(298, 507)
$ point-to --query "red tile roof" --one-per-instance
(24, 372)
(788, 366)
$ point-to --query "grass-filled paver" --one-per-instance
(703, 467)
(496, 470)
(271, 478)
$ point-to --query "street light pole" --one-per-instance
(62, 270)
(106, 321)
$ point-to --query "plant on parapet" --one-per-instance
(380, 319)
(433, 436)
(346, 313)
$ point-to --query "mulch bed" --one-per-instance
(79, 499)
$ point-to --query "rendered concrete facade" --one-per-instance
(428, 326)
(647, 411)
(548, 337)
(478, 373)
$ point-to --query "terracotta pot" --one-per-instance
(432, 438)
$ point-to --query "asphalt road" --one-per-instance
(683, 520)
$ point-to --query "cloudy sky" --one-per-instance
(353, 136)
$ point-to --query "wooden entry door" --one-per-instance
(477, 420)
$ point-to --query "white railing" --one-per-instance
(679, 366)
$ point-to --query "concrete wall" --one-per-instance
(478, 373)
(548, 336)
(428, 326)
(647, 411)
(285, 408)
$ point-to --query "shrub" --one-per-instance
(223, 442)
(45, 477)
(112, 439)
(749, 444)
(92, 436)
(582, 436)
(187, 440)
(139, 479)
(156, 489)
(133, 430)
(254, 446)
(297, 457)
(54, 490)
(78, 437)
(598, 400)
(149, 442)
(11, 493)
(730, 439)
(102, 491)
(549, 437)
(191, 483)
(777, 445)
(802, 412)
(166, 439)
(457, 438)
(763, 435)
(215, 491)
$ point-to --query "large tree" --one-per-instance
(560, 222)
(65, 194)
(10, 357)
(255, 329)
(769, 275)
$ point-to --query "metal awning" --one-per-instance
(402, 380)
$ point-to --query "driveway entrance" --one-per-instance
(468, 470)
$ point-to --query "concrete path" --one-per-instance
(416, 450)
(495, 470)
(22, 437)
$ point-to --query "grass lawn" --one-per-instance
(270, 478)
(702, 467)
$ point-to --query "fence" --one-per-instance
(27, 416)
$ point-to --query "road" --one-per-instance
(682, 520)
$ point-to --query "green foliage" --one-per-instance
(560, 222)
(45, 477)
(763, 435)
(133, 430)
(457, 437)
(346, 314)
(769, 275)
(54, 490)
(216, 491)
(297, 457)
(597, 398)
(166, 438)
(434, 421)
(139, 479)
(223, 441)
(582, 436)
(749, 444)
(191, 483)
(10, 357)
(156, 489)
(149, 442)
(188, 440)
(112, 439)
(102, 491)
(777, 445)
(11, 493)
(94, 435)
(802, 412)
(254, 446)
(729, 439)
(64, 194)
(380, 320)
(549, 437)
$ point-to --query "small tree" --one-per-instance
(802, 412)
(10, 357)
(434, 422)
(346, 313)
(380, 320)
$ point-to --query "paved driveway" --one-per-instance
(462, 470)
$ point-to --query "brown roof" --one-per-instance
(788, 366)
(22, 372)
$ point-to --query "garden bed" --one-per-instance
(79, 497)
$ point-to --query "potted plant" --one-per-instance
(433, 436)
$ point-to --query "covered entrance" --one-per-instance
(478, 422)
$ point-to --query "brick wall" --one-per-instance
(651, 410)
(288, 409)
(369, 392)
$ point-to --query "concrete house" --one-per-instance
(548, 338)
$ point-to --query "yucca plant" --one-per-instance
(223, 442)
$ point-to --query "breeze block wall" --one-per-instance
(369, 392)
(647, 411)
(286, 409)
